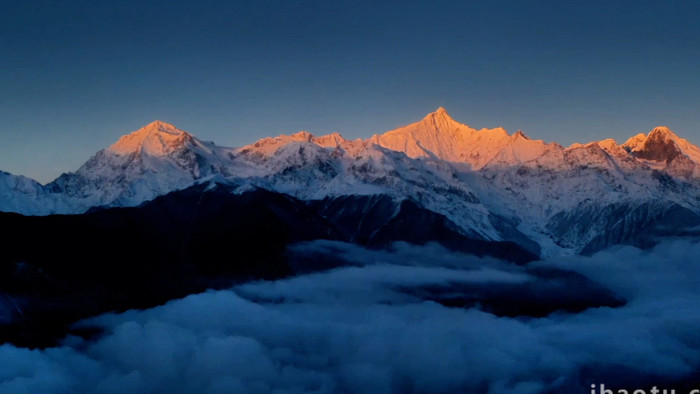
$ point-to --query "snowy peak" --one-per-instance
(616, 152)
(160, 126)
(304, 136)
(440, 119)
(634, 142)
(439, 136)
(24, 195)
(609, 145)
(149, 162)
(663, 132)
(441, 111)
(330, 140)
(268, 146)
(661, 145)
(281, 146)
(517, 135)
(155, 139)
(337, 141)
(521, 149)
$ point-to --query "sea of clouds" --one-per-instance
(356, 329)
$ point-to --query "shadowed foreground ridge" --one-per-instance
(185, 242)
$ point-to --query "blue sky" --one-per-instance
(76, 75)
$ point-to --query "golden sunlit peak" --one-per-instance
(439, 115)
(303, 135)
(520, 134)
(440, 112)
(662, 131)
(160, 125)
(156, 138)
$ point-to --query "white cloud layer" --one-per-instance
(352, 329)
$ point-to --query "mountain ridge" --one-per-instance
(492, 185)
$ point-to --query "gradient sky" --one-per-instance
(76, 75)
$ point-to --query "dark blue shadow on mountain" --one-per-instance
(61, 268)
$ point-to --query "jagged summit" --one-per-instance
(659, 132)
(156, 138)
(301, 136)
(331, 140)
(663, 132)
(159, 125)
(438, 135)
(440, 120)
(661, 145)
(439, 113)
(519, 134)
(634, 142)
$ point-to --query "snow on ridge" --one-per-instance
(468, 175)
(157, 139)
(439, 135)
(662, 149)
(436, 136)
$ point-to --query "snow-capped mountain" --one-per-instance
(149, 162)
(551, 193)
(24, 195)
(440, 136)
(663, 149)
(314, 168)
(491, 185)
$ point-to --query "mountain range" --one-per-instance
(486, 185)
(161, 214)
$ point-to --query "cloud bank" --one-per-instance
(356, 329)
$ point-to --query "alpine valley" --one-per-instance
(161, 214)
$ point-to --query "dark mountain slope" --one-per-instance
(57, 269)
(61, 268)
